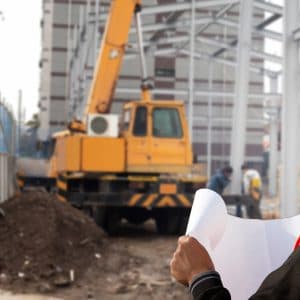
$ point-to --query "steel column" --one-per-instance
(68, 66)
(192, 70)
(290, 113)
(19, 122)
(209, 121)
(238, 134)
(96, 41)
(273, 155)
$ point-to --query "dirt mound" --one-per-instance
(45, 243)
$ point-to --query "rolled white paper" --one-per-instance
(208, 218)
(244, 251)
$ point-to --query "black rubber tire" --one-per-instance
(99, 215)
(184, 218)
(108, 218)
(167, 221)
(136, 215)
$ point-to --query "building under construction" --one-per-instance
(205, 80)
(198, 85)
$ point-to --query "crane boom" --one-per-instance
(111, 55)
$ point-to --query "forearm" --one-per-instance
(208, 286)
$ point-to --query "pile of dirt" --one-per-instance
(45, 243)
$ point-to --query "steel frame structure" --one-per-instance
(186, 30)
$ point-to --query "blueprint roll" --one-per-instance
(208, 218)
(244, 251)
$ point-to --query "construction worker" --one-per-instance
(192, 266)
(252, 187)
(220, 180)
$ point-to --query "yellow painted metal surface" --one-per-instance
(81, 153)
(159, 200)
(111, 55)
(103, 154)
(62, 185)
(149, 154)
(168, 188)
(166, 201)
(67, 153)
(138, 153)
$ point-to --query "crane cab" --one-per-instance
(156, 137)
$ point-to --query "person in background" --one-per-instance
(252, 188)
(192, 266)
(220, 180)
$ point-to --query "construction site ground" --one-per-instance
(135, 265)
(49, 250)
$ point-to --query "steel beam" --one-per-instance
(232, 63)
(290, 113)
(184, 93)
(296, 34)
(179, 39)
(238, 133)
(158, 9)
(228, 120)
(215, 16)
(264, 32)
(206, 56)
(270, 57)
(269, 7)
(165, 26)
(258, 27)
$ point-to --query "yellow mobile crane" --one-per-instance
(138, 168)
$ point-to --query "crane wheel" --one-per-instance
(108, 218)
(167, 221)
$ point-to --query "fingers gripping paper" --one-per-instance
(244, 251)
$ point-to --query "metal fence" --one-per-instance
(7, 152)
(7, 176)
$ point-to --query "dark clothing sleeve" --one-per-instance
(283, 283)
(218, 183)
(208, 286)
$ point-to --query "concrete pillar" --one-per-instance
(238, 135)
(290, 113)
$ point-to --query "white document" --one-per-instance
(244, 251)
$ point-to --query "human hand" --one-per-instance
(189, 259)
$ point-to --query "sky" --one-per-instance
(20, 48)
(20, 40)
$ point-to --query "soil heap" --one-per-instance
(45, 243)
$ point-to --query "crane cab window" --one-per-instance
(166, 123)
(126, 120)
(140, 121)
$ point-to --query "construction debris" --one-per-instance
(44, 243)
(49, 247)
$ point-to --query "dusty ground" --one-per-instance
(136, 266)
(132, 265)
(52, 249)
